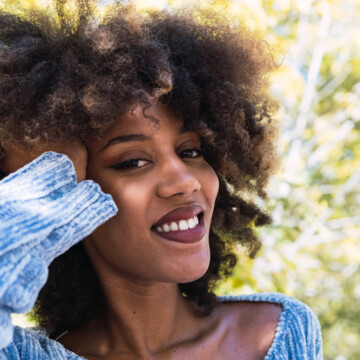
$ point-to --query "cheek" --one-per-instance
(133, 198)
(120, 240)
(131, 201)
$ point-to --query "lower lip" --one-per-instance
(189, 236)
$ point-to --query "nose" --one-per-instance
(176, 179)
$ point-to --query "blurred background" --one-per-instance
(312, 251)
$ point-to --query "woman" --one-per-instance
(168, 120)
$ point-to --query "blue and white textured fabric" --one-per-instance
(298, 334)
(43, 212)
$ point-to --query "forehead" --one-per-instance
(148, 118)
(142, 120)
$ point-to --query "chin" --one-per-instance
(194, 272)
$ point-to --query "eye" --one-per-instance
(191, 153)
(131, 164)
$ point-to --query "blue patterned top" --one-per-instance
(43, 212)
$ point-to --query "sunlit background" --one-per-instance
(312, 251)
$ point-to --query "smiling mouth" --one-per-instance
(180, 225)
(185, 230)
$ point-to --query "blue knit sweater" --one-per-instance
(43, 212)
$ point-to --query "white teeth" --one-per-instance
(174, 226)
(180, 225)
(183, 225)
(191, 223)
(166, 228)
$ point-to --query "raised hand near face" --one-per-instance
(17, 156)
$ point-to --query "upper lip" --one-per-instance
(181, 213)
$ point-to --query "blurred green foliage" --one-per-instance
(312, 251)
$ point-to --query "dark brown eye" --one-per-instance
(131, 164)
(191, 153)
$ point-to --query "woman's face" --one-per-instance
(160, 182)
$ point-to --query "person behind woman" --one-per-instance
(149, 138)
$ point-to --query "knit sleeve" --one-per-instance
(43, 212)
(303, 334)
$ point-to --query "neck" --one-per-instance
(140, 318)
(145, 314)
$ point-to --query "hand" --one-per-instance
(16, 156)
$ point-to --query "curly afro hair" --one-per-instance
(64, 76)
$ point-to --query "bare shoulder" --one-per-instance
(252, 324)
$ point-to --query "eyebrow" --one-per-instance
(125, 138)
(133, 137)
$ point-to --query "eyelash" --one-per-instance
(129, 164)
